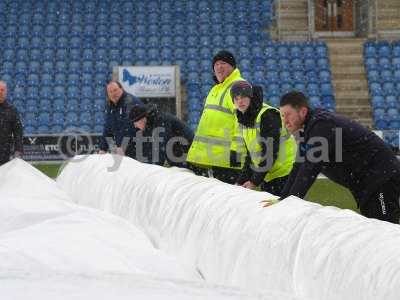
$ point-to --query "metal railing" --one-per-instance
(278, 10)
(367, 18)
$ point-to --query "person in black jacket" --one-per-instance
(160, 137)
(347, 153)
(269, 174)
(117, 125)
(10, 128)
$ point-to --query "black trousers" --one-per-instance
(4, 159)
(383, 204)
(275, 186)
(226, 175)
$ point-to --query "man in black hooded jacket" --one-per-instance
(160, 137)
(347, 153)
(10, 128)
(270, 148)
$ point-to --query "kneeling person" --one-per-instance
(271, 149)
(160, 137)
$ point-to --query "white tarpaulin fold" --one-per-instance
(51, 248)
(293, 247)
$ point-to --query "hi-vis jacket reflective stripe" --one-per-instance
(287, 147)
(214, 136)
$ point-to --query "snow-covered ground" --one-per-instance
(145, 232)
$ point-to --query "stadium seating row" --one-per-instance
(382, 63)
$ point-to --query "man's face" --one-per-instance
(293, 118)
(114, 92)
(140, 124)
(242, 103)
(3, 92)
(222, 70)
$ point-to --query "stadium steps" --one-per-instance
(348, 79)
(293, 20)
(388, 22)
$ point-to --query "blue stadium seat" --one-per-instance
(378, 101)
(98, 128)
(389, 88)
(384, 49)
(284, 64)
(272, 76)
(286, 88)
(373, 76)
(308, 52)
(72, 105)
(87, 78)
(101, 55)
(73, 91)
(23, 42)
(394, 123)
(37, 19)
(43, 118)
(273, 90)
(59, 92)
(22, 55)
(86, 118)
(301, 87)
(74, 66)
(11, 30)
(384, 63)
(8, 55)
(321, 51)
(326, 89)
(315, 102)
(310, 64)
(99, 118)
(58, 105)
(86, 105)
(60, 78)
(283, 51)
(370, 50)
(29, 119)
(323, 63)
(297, 64)
(325, 76)
(166, 54)
(313, 89)
(58, 119)
(28, 129)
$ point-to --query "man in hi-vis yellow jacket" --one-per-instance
(212, 144)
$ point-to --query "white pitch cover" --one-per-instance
(294, 247)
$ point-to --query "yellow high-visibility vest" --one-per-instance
(287, 147)
(214, 135)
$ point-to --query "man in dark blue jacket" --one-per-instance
(347, 153)
(117, 125)
(160, 137)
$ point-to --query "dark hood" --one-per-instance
(152, 115)
(248, 118)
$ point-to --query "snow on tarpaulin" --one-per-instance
(51, 248)
(294, 247)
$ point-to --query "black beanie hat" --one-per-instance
(137, 112)
(225, 56)
(241, 88)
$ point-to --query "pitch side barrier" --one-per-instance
(56, 148)
(294, 247)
